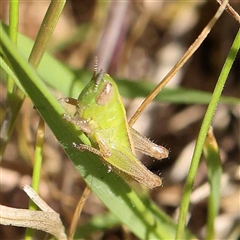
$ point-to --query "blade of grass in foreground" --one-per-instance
(111, 189)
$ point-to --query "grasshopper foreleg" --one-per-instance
(103, 155)
(83, 147)
(71, 101)
(81, 123)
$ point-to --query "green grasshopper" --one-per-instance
(101, 115)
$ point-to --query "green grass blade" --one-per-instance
(14, 98)
(111, 189)
(214, 172)
(38, 157)
(13, 34)
(177, 95)
(202, 135)
(72, 82)
(46, 30)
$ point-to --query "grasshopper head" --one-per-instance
(101, 91)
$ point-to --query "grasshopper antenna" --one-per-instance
(97, 75)
(95, 66)
(98, 79)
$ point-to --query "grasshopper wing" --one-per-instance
(144, 145)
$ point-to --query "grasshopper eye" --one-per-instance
(105, 95)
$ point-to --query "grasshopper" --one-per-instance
(101, 115)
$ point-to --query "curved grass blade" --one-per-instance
(110, 189)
